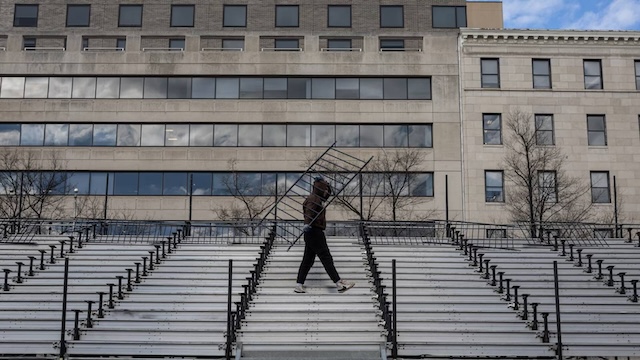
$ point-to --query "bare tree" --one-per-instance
(541, 191)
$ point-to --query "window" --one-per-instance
(28, 43)
(541, 73)
(121, 43)
(593, 74)
(176, 44)
(449, 16)
(544, 129)
(494, 186)
(287, 44)
(490, 69)
(492, 127)
(596, 130)
(25, 16)
(339, 16)
(338, 44)
(234, 16)
(548, 190)
(391, 44)
(496, 233)
(391, 16)
(85, 43)
(130, 16)
(286, 15)
(600, 187)
(182, 15)
(637, 74)
(232, 44)
(78, 15)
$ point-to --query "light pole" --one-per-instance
(75, 207)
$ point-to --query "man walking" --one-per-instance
(315, 242)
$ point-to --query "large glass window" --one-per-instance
(541, 73)
(391, 44)
(593, 74)
(274, 135)
(227, 88)
(32, 135)
(347, 88)
(12, 88)
(130, 16)
(233, 44)
(84, 88)
(98, 185)
(176, 135)
(201, 135)
(25, 15)
(251, 88)
(203, 88)
(108, 88)
(182, 15)
(371, 136)
(250, 135)
(125, 183)
(391, 16)
(492, 129)
(421, 184)
(395, 88)
(347, 135)
(338, 45)
(275, 88)
(80, 135)
(420, 136)
(600, 192)
(175, 183)
(323, 88)
(298, 135)
(179, 88)
(128, 135)
(287, 44)
(547, 186)
(104, 134)
(225, 135)
(150, 183)
(596, 130)
(449, 16)
(234, 16)
(371, 89)
(339, 16)
(419, 89)
(80, 181)
(490, 69)
(9, 134)
(202, 183)
(299, 88)
(494, 186)
(56, 135)
(78, 15)
(396, 136)
(155, 88)
(323, 135)
(544, 129)
(152, 135)
(222, 184)
(131, 88)
(36, 87)
(287, 16)
(60, 87)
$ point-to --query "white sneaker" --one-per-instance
(300, 289)
(344, 285)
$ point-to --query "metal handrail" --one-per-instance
(221, 49)
(281, 49)
(44, 48)
(401, 49)
(103, 49)
(163, 49)
(341, 49)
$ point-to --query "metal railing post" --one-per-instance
(394, 349)
(63, 326)
(229, 296)
(557, 296)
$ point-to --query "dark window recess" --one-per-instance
(78, 15)
(287, 16)
(391, 44)
(593, 74)
(541, 73)
(449, 17)
(233, 44)
(600, 191)
(176, 44)
(85, 43)
(339, 16)
(234, 16)
(130, 16)
(121, 43)
(391, 16)
(287, 44)
(182, 15)
(338, 44)
(25, 15)
(490, 70)
(28, 43)
(596, 130)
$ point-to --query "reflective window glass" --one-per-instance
(150, 183)
(371, 136)
(287, 44)
(299, 88)
(600, 192)
(125, 183)
(182, 15)
(391, 44)
(420, 136)
(421, 184)
(175, 183)
(60, 87)
(233, 44)
(99, 181)
(84, 88)
(339, 16)
(225, 135)
(130, 15)
(347, 135)
(494, 186)
(222, 184)
(108, 88)
(541, 73)
(36, 87)
(298, 135)
(32, 135)
(201, 135)
(371, 89)
(592, 74)
(78, 15)
(323, 88)
(56, 134)
(80, 181)
(419, 89)
(121, 43)
(297, 187)
(152, 135)
(128, 135)
(227, 88)
(176, 135)
(338, 44)
(395, 88)
(155, 88)
(249, 135)
(286, 15)
(251, 88)
(179, 88)
(391, 16)
(347, 88)
(323, 135)
(234, 16)
(12, 87)
(177, 44)
(203, 88)
(492, 128)
(490, 73)
(25, 15)
(80, 134)
(9, 134)
(202, 184)
(269, 184)
(444, 16)
(274, 135)
(396, 135)
(131, 88)
(104, 134)
(248, 184)
(275, 88)
(596, 130)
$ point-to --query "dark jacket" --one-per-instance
(312, 205)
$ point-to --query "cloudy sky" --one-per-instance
(572, 14)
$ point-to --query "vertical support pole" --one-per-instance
(446, 201)
(63, 326)
(557, 296)
(361, 199)
(190, 196)
(394, 349)
(615, 206)
(106, 197)
(229, 328)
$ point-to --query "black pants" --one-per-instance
(315, 243)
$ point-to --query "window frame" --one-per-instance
(600, 76)
(392, 48)
(537, 129)
(184, 42)
(534, 75)
(79, 6)
(390, 7)
(223, 40)
(224, 15)
(15, 11)
(193, 15)
(603, 131)
(123, 6)
(485, 130)
(483, 74)
(276, 48)
(636, 65)
(330, 40)
(608, 187)
(336, 6)
(455, 11)
(283, 6)
(486, 187)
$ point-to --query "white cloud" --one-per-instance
(615, 15)
(532, 13)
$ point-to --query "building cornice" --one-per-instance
(549, 36)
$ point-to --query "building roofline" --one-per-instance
(550, 35)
